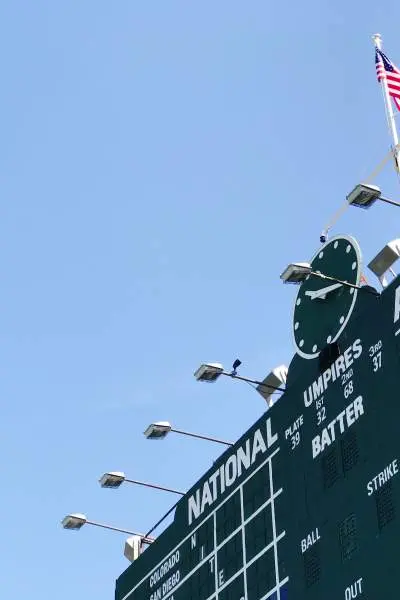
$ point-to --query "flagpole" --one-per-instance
(389, 108)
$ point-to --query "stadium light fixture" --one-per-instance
(365, 195)
(113, 480)
(199, 375)
(76, 521)
(209, 372)
(276, 378)
(160, 429)
(384, 261)
(298, 272)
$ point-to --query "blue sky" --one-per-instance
(161, 163)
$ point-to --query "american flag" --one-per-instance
(385, 69)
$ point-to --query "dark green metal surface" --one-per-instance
(306, 504)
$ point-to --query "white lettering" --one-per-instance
(243, 458)
(211, 562)
(295, 426)
(236, 464)
(354, 590)
(345, 419)
(339, 366)
(357, 349)
(194, 506)
(271, 437)
(397, 305)
(206, 498)
(310, 540)
(383, 477)
(230, 470)
(165, 567)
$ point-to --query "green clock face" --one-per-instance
(322, 307)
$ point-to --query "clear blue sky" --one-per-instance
(160, 164)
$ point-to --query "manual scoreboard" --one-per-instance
(305, 505)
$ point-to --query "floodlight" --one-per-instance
(275, 379)
(209, 372)
(363, 195)
(74, 521)
(77, 520)
(384, 260)
(112, 480)
(296, 272)
(133, 546)
(158, 430)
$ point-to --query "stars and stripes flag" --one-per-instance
(385, 69)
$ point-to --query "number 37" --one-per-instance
(377, 361)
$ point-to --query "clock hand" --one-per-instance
(323, 292)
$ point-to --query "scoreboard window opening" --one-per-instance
(199, 586)
(340, 459)
(228, 517)
(261, 576)
(349, 450)
(230, 556)
(330, 468)
(312, 566)
(256, 491)
(234, 590)
(385, 507)
(348, 537)
(259, 532)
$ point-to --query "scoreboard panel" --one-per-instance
(305, 505)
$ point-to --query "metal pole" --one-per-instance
(329, 278)
(388, 201)
(145, 539)
(388, 106)
(253, 381)
(202, 437)
(345, 283)
(156, 487)
(162, 519)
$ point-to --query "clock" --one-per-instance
(323, 307)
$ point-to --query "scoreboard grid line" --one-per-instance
(215, 552)
(239, 572)
(277, 589)
(217, 547)
(271, 484)
(243, 542)
(269, 458)
(247, 520)
(270, 545)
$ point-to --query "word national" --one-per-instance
(224, 477)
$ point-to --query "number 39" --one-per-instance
(295, 439)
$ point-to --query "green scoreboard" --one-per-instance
(305, 505)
